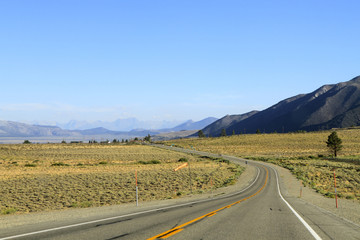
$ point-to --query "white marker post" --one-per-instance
(137, 197)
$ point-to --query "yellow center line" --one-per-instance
(177, 229)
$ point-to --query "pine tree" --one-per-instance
(334, 143)
(223, 132)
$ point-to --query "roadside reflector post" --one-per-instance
(300, 189)
(211, 185)
(335, 190)
(190, 177)
(137, 196)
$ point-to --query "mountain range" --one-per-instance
(330, 106)
(125, 125)
(21, 130)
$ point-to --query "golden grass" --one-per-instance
(304, 154)
(287, 145)
(38, 177)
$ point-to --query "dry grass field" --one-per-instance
(38, 177)
(305, 154)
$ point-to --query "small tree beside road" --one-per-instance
(334, 143)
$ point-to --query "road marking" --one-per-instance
(170, 233)
(174, 230)
(128, 215)
(307, 226)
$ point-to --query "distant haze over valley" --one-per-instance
(126, 124)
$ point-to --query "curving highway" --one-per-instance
(257, 212)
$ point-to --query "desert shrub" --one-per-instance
(59, 164)
(223, 160)
(350, 197)
(30, 165)
(183, 160)
(149, 162)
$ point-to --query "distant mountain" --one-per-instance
(330, 106)
(126, 124)
(174, 135)
(16, 129)
(22, 130)
(191, 125)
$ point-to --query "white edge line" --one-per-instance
(307, 226)
(128, 215)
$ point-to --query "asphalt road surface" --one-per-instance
(257, 212)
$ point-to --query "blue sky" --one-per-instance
(169, 60)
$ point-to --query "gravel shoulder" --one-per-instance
(292, 187)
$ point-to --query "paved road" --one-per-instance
(258, 212)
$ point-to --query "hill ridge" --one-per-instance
(331, 105)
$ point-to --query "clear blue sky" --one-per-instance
(169, 59)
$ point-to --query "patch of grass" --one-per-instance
(7, 211)
(70, 175)
(85, 204)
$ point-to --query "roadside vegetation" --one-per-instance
(307, 155)
(39, 177)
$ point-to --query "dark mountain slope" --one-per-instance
(330, 106)
(215, 128)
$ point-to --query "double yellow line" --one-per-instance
(181, 227)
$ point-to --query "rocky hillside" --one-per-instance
(330, 106)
